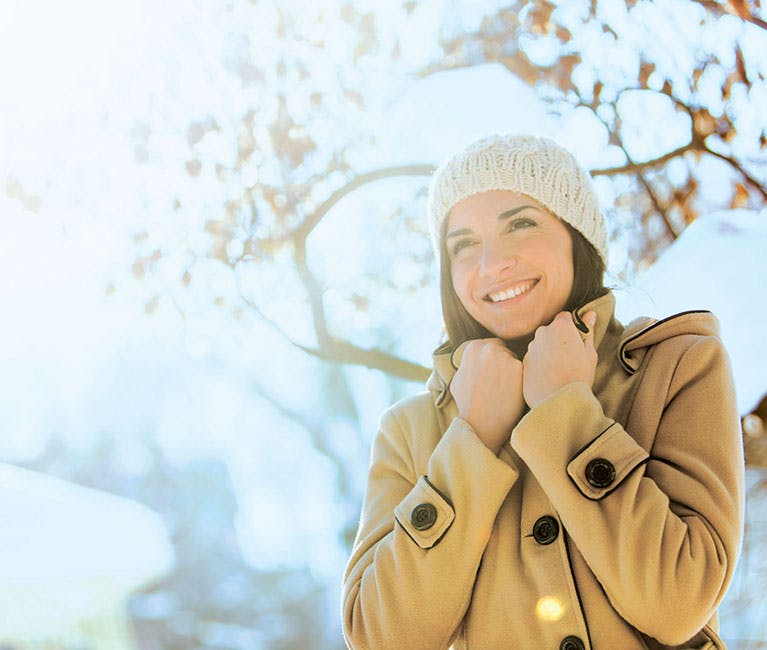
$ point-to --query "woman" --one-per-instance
(566, 483)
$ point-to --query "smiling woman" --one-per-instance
(510, 261)
(567, 482)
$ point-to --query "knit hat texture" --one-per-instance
(532, 165)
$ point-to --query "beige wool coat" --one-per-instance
(611, 520)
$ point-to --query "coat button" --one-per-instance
(423, 516)
(600, 473)
(546, 529)
(571, 643)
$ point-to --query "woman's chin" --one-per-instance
(514, 331)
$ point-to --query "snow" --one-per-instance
(70, 550)
(719, 264)
(438, 114)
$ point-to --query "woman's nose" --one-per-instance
(496, 259)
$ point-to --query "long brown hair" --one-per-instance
(588, 279)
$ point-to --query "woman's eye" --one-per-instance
(460, 245)
(522, 222)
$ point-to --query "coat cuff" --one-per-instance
(568, 435)
(605, 462)
(424, 514)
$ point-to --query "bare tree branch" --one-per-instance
(310, 223)
(738, 167)
(659, 208)
(317, 436)
(722, 9)
(336, 351)
(313, 291)
(636, 167)
(344, 352)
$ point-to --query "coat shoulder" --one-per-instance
(412, 412)
(678, 332)
(413, 423)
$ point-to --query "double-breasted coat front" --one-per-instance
(611, 520)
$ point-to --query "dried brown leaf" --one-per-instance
(739, 197)
(540, 17)
(731, 80)
(193, 167)
(696, 75)
(520, 65)
(564, 71)
(703, 122)
(597, 91)
(645, 70)
(138, 269)
(564, 34)
(740, 66)
(689, 213)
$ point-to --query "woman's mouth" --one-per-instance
(512, 292)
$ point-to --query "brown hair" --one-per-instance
(588, 279)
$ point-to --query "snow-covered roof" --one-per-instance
(717, 263)
(67, 550)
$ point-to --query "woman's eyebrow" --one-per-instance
(513, 211)
(459, 232)
(501, 217)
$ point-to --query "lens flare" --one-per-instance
(549, 609)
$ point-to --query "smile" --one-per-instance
(513, 292)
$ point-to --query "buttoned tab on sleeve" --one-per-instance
(661, 532)
(424, 514)
(568, 439)
(431, 501)
(601, 466)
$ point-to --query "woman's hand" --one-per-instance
(487, 389)
(558, 356)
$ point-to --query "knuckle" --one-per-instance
(472, 347)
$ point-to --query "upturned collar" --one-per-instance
(447, 362)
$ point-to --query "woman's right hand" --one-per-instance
(487, 388)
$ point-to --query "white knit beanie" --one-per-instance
(531, 165)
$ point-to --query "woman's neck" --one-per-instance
(519, 345)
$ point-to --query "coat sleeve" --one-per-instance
(661, 531)
(420, 540)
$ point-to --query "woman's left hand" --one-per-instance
(558, 356)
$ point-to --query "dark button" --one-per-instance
(546, 529)
(423, 516)
(571, 643)
(600, 472)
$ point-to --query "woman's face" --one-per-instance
(511, 261)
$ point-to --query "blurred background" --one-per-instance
(216, 274)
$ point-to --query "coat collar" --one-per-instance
(447, 362)
(630, 344)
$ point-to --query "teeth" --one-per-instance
(511, 293)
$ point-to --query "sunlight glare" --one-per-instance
(549, 609)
